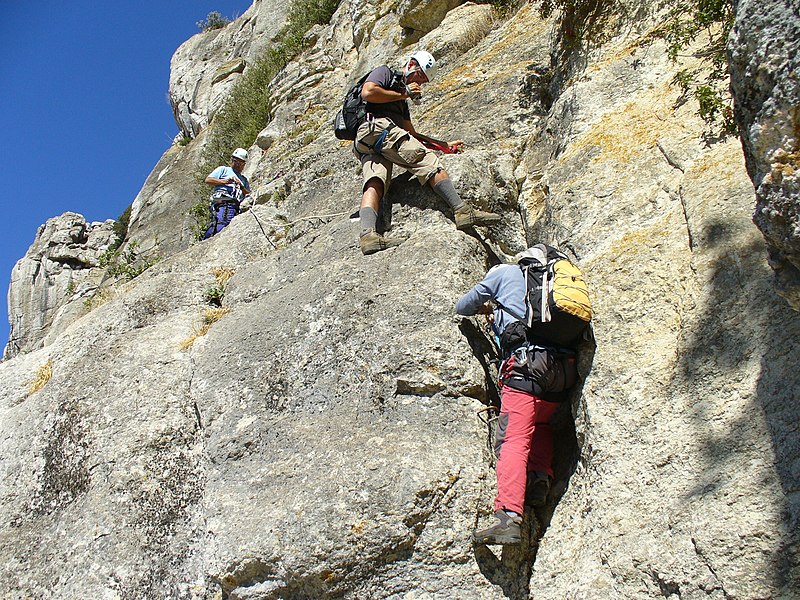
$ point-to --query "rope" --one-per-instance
(286, 223)
(299, 219)
(271, 243)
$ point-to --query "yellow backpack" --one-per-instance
(558, 308)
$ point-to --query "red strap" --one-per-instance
(442, 148)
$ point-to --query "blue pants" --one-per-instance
(221, 217)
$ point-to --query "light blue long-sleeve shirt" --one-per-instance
(229, 189)
(505, 284)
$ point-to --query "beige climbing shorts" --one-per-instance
(399, 148)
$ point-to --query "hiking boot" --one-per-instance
(505, 531)
(371, 242)
(466, 216)
(536, 489)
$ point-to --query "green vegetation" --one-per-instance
(216, 293)
(121, 227)
(126, 263)
(708, 86)
(201, 216)
(503, 8)
(99, 298)
(248, 108)
(214, 20)
(583, 21)
(595, 21)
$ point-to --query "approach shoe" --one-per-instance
(536, 489)
(505, 531)
(371, 242)
(467, 216)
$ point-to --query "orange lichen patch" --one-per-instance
(640, 241)
(524, 24)
(630, 50)
(786, 163)
(43, 375)
(722, 163)
(632, 130)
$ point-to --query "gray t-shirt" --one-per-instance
(396, 111)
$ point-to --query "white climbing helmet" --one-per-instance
(537, 252)
(240, 153)
(426, 62)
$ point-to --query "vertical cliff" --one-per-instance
(764, 60)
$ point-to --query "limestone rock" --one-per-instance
(57, 269)
(236, 65)
(462, 28)
(267, 136)
(424, 15)
(320, 436)
(205, 68)
(764, 48)
(160, 222)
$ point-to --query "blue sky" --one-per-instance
(84, 107)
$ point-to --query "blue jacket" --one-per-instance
(505, 284)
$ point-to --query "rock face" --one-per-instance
(323, 438)
(764, 48)
(206, 67)
(57, 270)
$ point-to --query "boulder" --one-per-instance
(58, 269)
(424, 15)
(462, 28)
(763, 49)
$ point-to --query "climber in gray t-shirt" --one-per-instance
(387, 137)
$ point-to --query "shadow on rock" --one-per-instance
(405, 190)
(745, 318)
(512, 570)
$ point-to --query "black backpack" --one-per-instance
(353, 113)
(557, 316)
(558, 309)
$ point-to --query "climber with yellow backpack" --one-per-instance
(541, 312)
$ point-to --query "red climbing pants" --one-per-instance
(524, 443)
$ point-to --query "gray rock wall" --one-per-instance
(205, 68)
(58, 269)
(321, 440)
(763, 49)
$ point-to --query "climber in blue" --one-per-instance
(230, 188)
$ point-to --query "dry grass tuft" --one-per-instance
(475, 31)
(212, 315)
(222, 275)
(100, 297)
(209, 317)
(43, 375)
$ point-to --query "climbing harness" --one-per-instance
(221, 216)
